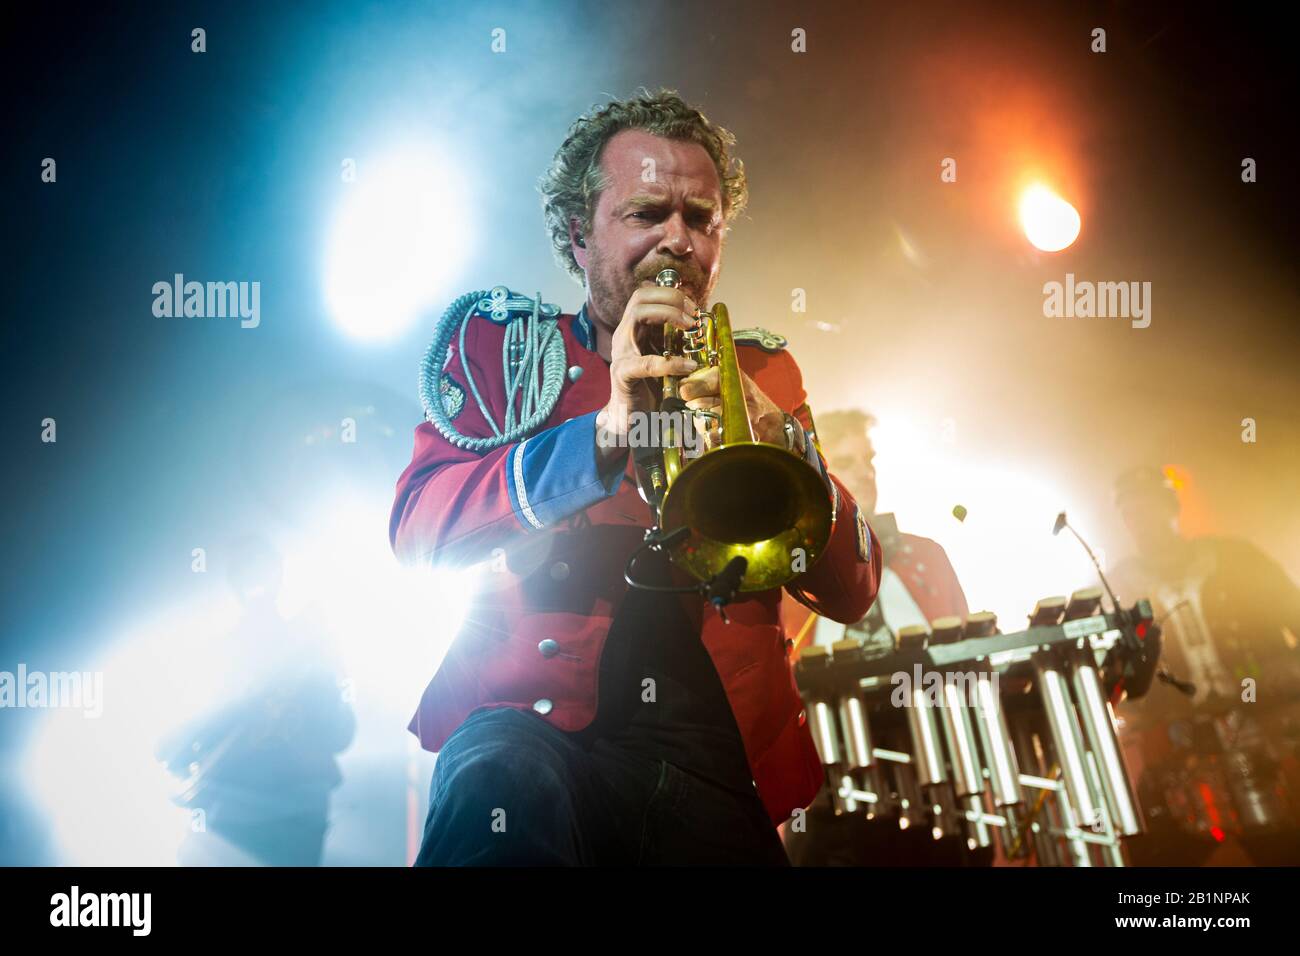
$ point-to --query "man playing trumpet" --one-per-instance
(577, 720)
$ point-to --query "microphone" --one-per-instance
(1057, 528)
(724, 585)
(1184, 687)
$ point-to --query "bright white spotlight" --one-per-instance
(399, 236)
(103, 790)
(1004, 552)
(99, 780)
(1050, 223)
(391, 625)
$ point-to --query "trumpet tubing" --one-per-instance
(742, 497)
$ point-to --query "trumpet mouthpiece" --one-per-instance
(668, 277)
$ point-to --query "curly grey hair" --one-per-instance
(572, 185)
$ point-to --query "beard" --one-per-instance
(610, 285)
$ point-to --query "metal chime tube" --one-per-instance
(1004, 771)
(927, 757)
(824, 734)
(857, 732)
(1067, 740)
(1099, 730)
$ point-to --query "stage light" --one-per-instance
(400, 236)
(1050, 223)
(105, 794)
(392, 625)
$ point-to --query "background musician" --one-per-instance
(918, 586)
(259, 770)
(1217, 767)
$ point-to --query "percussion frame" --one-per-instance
(1068, 667)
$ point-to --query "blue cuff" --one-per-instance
(556, 473)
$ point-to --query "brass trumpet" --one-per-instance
(741, 498)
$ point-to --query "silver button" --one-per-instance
(543, 706)
(575, 372)
(559, 570)
(548, 647)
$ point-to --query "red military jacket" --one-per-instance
(559, 534)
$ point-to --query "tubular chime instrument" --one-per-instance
(997, 739)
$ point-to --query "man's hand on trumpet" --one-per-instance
(701, 391)
(634, 358)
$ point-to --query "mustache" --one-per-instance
(691, 277)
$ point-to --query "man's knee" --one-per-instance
(506, 774)
(503, 750)
(505, 795)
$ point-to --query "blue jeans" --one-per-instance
(510, 789)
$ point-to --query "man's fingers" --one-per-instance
(655, 305)
(637, 334)
(661, 314)
(636, 367)
(663, 295)
(700, 384)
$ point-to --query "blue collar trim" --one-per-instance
(583, 330)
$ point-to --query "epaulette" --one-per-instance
(765, 340)
(501, 305)
(532, 339)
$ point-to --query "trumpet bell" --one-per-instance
(750, 500)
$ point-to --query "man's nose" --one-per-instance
(676, 240)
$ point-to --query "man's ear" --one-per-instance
(578, 243)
